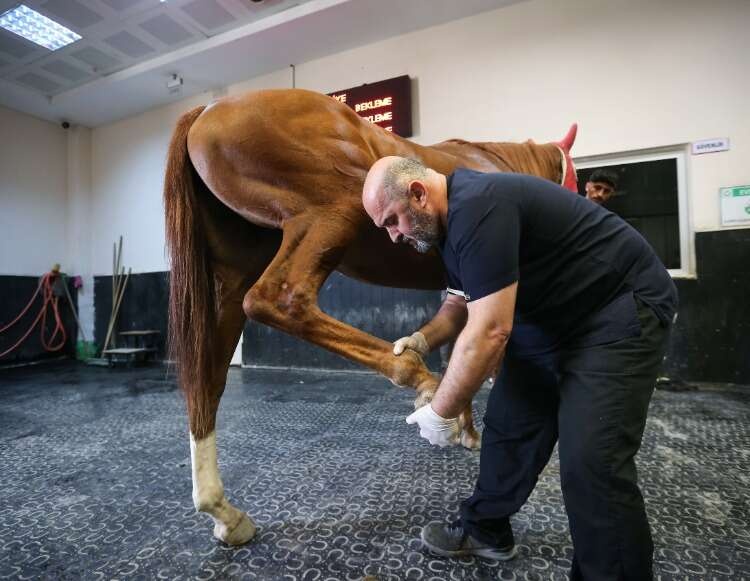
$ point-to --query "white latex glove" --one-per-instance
(434, 428)
(415, 342)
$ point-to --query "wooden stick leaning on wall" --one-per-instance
(116, 266)
(114, 280)
(118, 272)
(120, 294)
(115, 295)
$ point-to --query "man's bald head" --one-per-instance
(389, 179)
(407, 199)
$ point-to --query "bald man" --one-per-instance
(577, 306)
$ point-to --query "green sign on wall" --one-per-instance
(735, 205)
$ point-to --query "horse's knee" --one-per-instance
(287, 307)
(261, 306)
(255, 306)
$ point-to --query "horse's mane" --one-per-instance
(527, 157)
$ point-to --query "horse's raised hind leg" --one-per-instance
(285, 297)
(231, 525)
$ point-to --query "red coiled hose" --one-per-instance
(45, 287)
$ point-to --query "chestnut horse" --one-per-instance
(262, 196)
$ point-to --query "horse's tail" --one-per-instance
(192, 305)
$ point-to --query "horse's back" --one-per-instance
(273, 154)
(270, 154)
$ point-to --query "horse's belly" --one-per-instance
(373, 258)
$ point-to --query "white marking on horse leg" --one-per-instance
(232, 526)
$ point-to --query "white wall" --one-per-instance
(128, 161)
(129, 158)
(634, 74)
(79, 218)
(32, 194)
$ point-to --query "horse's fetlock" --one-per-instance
(208, 499)
(424, 396)
(410, 371)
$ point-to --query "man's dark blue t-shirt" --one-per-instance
(571, 257)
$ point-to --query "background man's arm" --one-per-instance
(478, 350)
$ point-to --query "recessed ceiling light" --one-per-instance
(37, 28)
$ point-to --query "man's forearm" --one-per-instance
(474, 356)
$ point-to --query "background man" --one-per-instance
(601, 186)
(589, 306)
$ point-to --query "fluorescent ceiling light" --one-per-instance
(37, 28)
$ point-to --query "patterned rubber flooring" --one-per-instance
(95, 482)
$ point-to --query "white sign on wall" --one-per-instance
(710, 145)
(735, 205)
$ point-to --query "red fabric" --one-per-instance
(566, 144)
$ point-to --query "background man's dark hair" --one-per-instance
(604, 175)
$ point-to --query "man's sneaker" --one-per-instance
(449, 540)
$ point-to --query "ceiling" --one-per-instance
(131, 47)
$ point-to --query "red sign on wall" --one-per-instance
(385, 103)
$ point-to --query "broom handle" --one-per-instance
(114, 277)
(115, 294)
(117, 309)
(118, 273)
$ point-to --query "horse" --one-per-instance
(262, 197)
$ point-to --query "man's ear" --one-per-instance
(417, 190)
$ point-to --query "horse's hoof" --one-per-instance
(239, 534)
(471, 442)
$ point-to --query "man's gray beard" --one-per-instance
(422, 247)
(425, 230)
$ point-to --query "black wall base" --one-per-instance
(387, 313)
(144, 306)
(15, 293)
(710, 342)
(711, 339)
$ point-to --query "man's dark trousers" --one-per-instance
(593, 398)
